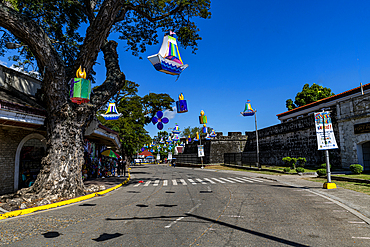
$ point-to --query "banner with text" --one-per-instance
(324, 131)
(200, 151)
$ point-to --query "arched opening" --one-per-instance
(366, 156)
(28, 160)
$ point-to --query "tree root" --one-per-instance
(27, 198)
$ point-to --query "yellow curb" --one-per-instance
(58, 204)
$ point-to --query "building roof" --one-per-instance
(326, 100)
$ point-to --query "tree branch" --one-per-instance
(30, 33)
(89, 11)
(154, 19)
(97, 33)
(115, 79)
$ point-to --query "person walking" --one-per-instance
(119, 165)
(124, 163)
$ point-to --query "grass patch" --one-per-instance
(359, 187)
(280, 168)
(360, 176)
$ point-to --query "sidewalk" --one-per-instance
(106, 182)
(104, 185)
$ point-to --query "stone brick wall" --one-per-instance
(9, 141)
(215, 148)
(296, 138)
(349, 113)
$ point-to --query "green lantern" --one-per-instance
(80, 88)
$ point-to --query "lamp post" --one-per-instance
(202, 120)
(258, 151)
(248, 111)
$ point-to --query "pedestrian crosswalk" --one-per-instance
(196, 181)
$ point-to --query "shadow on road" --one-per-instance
(51, 234)
(260, 234)
(106, 236)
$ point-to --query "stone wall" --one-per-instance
(296, 138)
(9, 141)
(214, 149)
(353, 112)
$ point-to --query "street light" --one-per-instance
(248, 111)
(202, 120)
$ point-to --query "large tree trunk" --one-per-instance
(61, 177)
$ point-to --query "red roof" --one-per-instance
(337, 96)
(146, 153)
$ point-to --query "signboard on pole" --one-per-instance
(158, 156)
(169, 156)
(324, 131)
(200, 151)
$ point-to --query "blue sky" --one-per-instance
(264, 51)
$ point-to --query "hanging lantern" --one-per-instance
(197, 137)
(208, 137)
(176, 138)
(80, 88)
(169, 140)
(176, 130)
(248, 110)
(189, 139)
(168, 59)
(181, 104)
(204, 129)
(111, 113)
(202, 118)
(213, 133)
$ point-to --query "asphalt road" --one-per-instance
(192, 207)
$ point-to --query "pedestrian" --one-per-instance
(173, 163)
(119, 167)
(124, 167)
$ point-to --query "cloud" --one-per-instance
(2, 63)
(170, 114)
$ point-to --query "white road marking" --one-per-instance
(180, 218)
(147, 183)
(174, 182)
(260, 179)
(232, 182)
(247, 180)
(191, 181)
(165, 182)
(209, 180)
(362, 237)
(218, 180)
(357, 222)
(237, 180)
(137, 184)
(156, 182)
(183, 181)
(253, 179)
(200, 180)
(233, 216)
